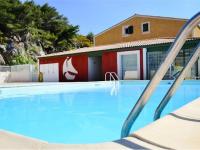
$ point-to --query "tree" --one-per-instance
(90, 36)
(26, 28)
(81, 41)
(41, 24)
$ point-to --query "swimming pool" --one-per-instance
(90, 112)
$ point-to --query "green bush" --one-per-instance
(20, 59)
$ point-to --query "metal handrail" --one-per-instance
(115, 75)
(177, 82)
(111, 76)
(173, 77)
(172, 53)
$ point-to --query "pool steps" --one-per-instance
(179, 130)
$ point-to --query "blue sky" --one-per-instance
(97, 15)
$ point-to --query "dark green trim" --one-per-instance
(93, 54)
(165, 47)
(158, 48)
(190, 44)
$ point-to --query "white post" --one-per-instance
(144, 63)
(199, 67)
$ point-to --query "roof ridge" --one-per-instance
(155, 16)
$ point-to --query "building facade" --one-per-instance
(137, 60)
(133, 49)
(141, 27)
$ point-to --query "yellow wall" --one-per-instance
(158, 28)
(196, 32)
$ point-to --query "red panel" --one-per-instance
(141, 65)
(79, 63)
(109, 62)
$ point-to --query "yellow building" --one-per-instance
(140, 27)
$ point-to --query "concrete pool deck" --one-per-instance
(178, 130)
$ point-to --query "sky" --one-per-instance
(98, 15)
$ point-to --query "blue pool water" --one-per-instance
(82, 112)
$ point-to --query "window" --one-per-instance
(155, 58)
(127, 30)
(146, 27)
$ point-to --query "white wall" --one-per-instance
(50, 72)
(4, 77)
(144, 63)
(20, 77)
(19, 73)
(23, 73)
(199, 66)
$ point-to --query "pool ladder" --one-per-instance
(171, 55)
(113, 77)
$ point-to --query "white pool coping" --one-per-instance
(179, 130)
